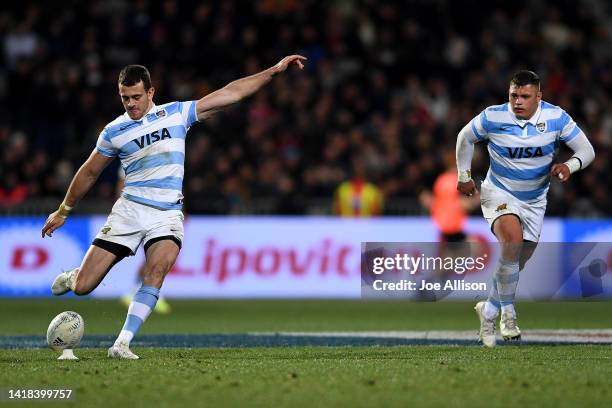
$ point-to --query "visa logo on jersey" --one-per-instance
(152, 137)
(524, 152)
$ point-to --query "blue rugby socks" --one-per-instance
(142, 304)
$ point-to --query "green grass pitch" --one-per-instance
(555, 376)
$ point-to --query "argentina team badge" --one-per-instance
(541, 127)
(161, 113)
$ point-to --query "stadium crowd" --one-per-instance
(390, 82)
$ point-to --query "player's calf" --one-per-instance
(155, 274)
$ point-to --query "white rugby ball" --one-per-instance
(65, 331)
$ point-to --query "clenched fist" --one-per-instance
(468, 188)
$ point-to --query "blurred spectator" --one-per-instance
(357, 197)
(449, 208)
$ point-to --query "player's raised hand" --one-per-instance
(561, 171)
(287, 61)
(54, 221)
(468, 188)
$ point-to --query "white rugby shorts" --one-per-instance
(130, 224)
(496, 202)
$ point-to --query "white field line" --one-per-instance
(535, 335)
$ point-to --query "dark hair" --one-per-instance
(525, 77)
(133, 74)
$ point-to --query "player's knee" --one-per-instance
(514, 238)
(510, 233)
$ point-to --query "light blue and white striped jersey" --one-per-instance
(521, 152)
(152, 153)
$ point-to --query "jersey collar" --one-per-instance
(521, 122)
(144, 117)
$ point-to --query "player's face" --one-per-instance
(524, 100)
(136, 100)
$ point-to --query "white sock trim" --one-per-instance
(139, 309)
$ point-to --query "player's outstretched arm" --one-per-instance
(243, 88)
(464, 153)
(85, 177)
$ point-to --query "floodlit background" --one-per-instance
(386, 88)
